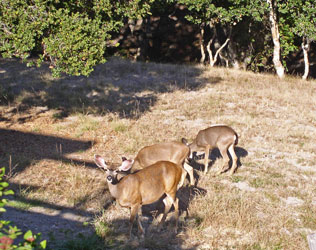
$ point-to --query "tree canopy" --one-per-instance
(75, 35)
(72, 35)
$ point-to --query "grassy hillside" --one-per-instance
(50, 129)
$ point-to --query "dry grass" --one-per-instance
(269, 203)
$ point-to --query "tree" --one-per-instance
(275, 37)
(72, 35)
(303, 24)
(290, 20)
(296, 19)
(209, 14)
(279, 23)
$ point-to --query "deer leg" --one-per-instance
(168, 201)
(134, 210)
(189, 170)
(207, 153)
(139, 218)
(223, 151)
(231, 150)
(176, 215)
(183, 175)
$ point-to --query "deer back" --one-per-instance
(175, 152)
(214, 135)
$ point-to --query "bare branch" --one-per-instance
(219, 50)
(5, 29)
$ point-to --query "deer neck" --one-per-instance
(114, 187)
(136, 165)
(113, 190)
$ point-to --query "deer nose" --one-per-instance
(109, 178)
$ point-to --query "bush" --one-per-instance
(71, 35)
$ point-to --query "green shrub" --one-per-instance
(9, 233)
(71, 35)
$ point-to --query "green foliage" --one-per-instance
(228, 11)
(303, 21)
(297, 21)
(21, 25)
(76, 44)
(202, 12)
(72, 35)
(9, 233)
(257, 9)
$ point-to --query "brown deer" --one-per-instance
(175, 152)
(144, 187)
(220, 136)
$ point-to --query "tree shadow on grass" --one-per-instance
(59, 223)
(20, 149)
(151, 216)
(56, 223)
(119, 86)
(70, 227)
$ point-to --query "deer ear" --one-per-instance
(126, 165)
(184, 141)
(100, 162)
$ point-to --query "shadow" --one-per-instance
(151, 215)
(154, 239)
(100, 194)
(213, 156)
(60, 225)
(19, 149)
(119, 86)
(241, 153)
(57, 224)
(186, 194)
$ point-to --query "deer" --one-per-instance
(221, 136)
(144, 187)
(175, 152)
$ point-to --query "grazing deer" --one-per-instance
(175, 152)
(144, 187)
(221, 136)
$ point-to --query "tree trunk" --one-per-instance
(209, 50)
(219, 50)
(305, 47)
(230, 56)
(142, 51)
(202, 44)
(276, 39)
